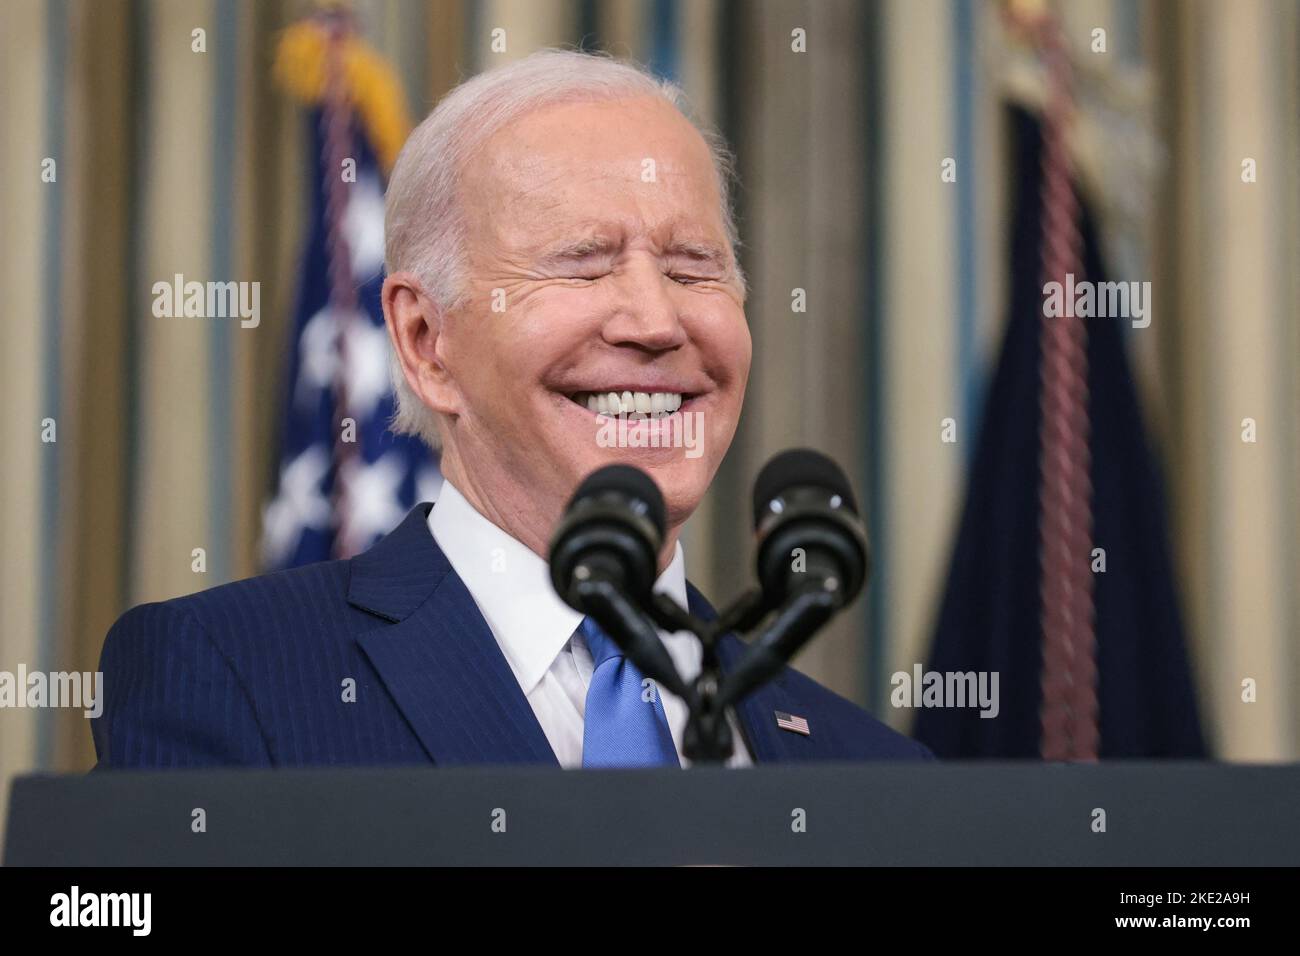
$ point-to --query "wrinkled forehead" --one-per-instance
(631, 166)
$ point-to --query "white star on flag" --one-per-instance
(363, 226)
(368, 381)
(374, 505)
(299, 505)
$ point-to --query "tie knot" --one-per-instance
(600, 644)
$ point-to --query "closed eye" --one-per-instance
(690, 263)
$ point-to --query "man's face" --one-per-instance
(599, 266)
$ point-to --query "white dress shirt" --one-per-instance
(538, 632)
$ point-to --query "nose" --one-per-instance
(646, 316)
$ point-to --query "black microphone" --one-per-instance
(613, 528)
(809, 533)
(604, 557)
(812, 560)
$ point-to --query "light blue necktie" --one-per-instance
(620, 728)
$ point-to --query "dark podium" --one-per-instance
(1155, 814)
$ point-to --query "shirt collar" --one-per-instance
(512, 585)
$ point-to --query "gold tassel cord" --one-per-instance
(372, 87)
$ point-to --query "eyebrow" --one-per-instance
(591, 246)
(698, 250)
(579, 249)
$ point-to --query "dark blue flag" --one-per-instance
(989, 619)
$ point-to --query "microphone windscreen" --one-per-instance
(629, 482)
(799, 467)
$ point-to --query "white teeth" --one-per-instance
(625, 403)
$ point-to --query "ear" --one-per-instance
(415, 328)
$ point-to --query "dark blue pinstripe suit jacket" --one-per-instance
(252, 673)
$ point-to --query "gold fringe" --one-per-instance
(372, 85)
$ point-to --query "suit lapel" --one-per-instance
(438, 658)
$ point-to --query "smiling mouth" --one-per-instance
(613, 404)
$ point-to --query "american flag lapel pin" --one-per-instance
(792, 723)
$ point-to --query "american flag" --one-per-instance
(792, 723)
(336, 496)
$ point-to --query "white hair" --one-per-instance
(424, 230)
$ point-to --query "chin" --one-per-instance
(683, 486)
(682, 482)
